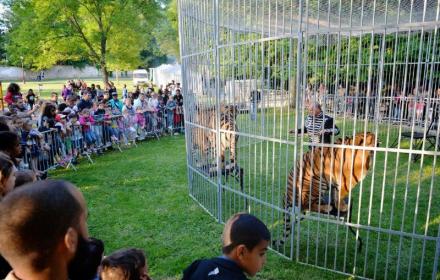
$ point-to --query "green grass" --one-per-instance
(144, 202)
(383, 200)
(139, 198)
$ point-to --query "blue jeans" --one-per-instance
(90, 137)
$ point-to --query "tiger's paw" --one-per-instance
(325, 208)
(343, 208)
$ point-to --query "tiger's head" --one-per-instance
(366, 139)
(229, 110)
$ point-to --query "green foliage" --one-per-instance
(108, 33)
(167, 33)
(333, 59)
(153, 55)
(2, 47)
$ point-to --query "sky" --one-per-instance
(2, 13)
(2, 8)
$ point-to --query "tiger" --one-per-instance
(328, 167)
(204, 140)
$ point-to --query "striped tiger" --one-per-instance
(343, 168)
(204, 140)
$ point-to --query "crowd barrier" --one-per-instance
(65, 146)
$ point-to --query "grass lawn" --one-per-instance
(139, 198)
(398, 196)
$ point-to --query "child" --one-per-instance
(60, 125)
(76, 138)
(33, 144)
(97, 128)
(129, 121)
(170, 106)
(23, 177)
(87, 121)
(419, 109)
(112, 125)
(7, 175)
(125, 264)
(245, 242)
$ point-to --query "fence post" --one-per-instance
(1, 96)
(437, 252)
(217, 105)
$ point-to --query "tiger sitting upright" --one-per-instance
(343, 168)
(204, 140)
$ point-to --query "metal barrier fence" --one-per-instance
(64, 146)
(362, 202)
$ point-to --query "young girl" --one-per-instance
(170, 107)
(125, 264)
(129, 121)
(33, 142)
(10, 145)
(31, 98)
(87, 121)
(76, 135)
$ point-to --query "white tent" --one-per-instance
(163, 74)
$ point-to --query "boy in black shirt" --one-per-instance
(245, 242)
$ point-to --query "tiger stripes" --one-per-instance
(321, 170)
(204, 140)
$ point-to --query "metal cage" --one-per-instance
(254, 73)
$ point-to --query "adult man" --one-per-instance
(44, 233)
(115, 103)
(93, 91)
(319, 127)
(140, 104)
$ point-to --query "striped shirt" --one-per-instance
(320, 127)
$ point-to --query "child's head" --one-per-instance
(23, 177)
(101, 106)
(54, 96)
(245, 240)
(73, 117)
(125, 264)
(27, 125)
(127, 101)
(85, 112)
(7, 175)
(10, 144)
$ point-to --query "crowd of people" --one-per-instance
(397, 105)
(43, 222)
(83, 120)
(45, 236)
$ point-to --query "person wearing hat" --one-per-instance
(115, 103)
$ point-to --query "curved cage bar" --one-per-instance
(321, 117)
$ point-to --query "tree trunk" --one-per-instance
(104, 72)
(103, 55)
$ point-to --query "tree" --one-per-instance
(167, 31)
(107, 33)
(3, 30)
